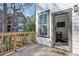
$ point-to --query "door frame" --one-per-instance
(69, 11)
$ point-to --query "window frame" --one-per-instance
(43, 24)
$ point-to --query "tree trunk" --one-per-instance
(4, 17)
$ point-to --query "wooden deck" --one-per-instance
(39, 50)
(33, 50)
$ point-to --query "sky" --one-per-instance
(29, 11)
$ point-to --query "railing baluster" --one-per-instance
(19, 41)
(8, 43)
(15, 38)
(12, 43)
(5, 43)
(22, 39)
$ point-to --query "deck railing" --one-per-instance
(12, 41)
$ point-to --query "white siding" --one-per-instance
(75, 23)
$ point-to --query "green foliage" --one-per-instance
(30, 24)
(8, 43)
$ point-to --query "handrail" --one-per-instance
(12, 41)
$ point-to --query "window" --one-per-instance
(60, 24)
(20, 19)
(20, 30)
(43, 23)
(20, 24)
(8, 28)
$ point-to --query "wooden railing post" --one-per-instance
(2, 43)
(15, 41)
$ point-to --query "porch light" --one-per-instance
(75, 8)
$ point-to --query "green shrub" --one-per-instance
(8, 43)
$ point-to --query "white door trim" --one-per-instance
(69, 11)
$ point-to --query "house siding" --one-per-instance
(1, 22)
(20, 20)
(55, 7)
(14, 24)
